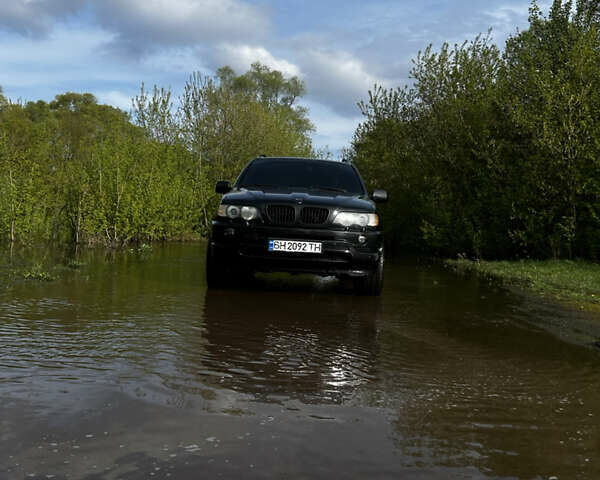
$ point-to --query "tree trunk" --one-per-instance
(13, 210)
(78, 226)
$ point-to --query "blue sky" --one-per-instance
(339, 48)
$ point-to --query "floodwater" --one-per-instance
(130, 368)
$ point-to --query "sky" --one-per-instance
(339, 48)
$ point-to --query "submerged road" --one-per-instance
(130, 368)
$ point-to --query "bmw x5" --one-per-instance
(297, 215)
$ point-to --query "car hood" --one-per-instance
(324, 199)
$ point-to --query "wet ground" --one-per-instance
(130, 368)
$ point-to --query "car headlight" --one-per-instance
(249, 213)
(237, 211)
(355, 219)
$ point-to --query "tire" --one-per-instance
(215, 273)
(371, 284)
(243, 278)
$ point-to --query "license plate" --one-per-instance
(295, 246)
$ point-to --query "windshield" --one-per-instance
(300, 173)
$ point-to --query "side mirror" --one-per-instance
(379, 195)
(223, 186)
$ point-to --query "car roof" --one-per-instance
(301, 158)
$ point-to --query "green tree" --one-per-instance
(554, 74)
(3, 101)
(22, 147)
(78, 171)
(434, 143)
(494, 154)
(221, 122)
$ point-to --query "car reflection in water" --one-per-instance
(282, 340)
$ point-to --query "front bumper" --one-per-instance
(245, 246)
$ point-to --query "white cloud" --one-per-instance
(115, 98)
(240, 57)
(505, 13)
(509, 12)
(337, 79)
(63, 45)
(66, 60)
(142, 25)
(36, 17)
(504, 19)
(52, 46)
(333, 131)
(334, 78)
(176, 59)
(57, 62)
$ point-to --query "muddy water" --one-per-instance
(130, 368)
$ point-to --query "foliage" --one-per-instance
(76, 171)
(221, 122)
(38, 274)
(493, 153)
(3, 101)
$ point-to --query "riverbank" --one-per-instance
(574, 283)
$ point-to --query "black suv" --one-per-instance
(297, 215)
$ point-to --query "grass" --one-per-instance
(574, 282)
(36, 273)
(34, 265)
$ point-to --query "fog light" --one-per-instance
(362, 239)
(229, 232)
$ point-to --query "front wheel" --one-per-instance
(215, 273)
(222, 275)
(372, 283)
